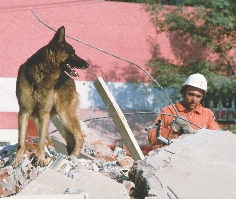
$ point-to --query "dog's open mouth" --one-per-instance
(71, 70)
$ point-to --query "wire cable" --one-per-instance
(108, 116)
(181, 119)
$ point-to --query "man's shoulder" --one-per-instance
(170, 108)
(208, 113)
(205, 110)
(167, 107)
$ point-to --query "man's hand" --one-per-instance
(181, 126)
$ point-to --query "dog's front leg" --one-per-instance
(22, 126)
(43, 129)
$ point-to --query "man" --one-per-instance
(189, 109)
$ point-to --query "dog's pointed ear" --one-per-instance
(59, 37)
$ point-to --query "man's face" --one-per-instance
(192, 97)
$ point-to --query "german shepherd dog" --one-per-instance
(43, 89)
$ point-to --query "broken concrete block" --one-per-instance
(99, 186)
(51, 196)
(80, 174)
(92, 183)
(203, 166)
(125, 162)
(160, 160)
(13, 181)
(129, 185)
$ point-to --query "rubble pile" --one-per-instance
(201, 165)
(95, 158)
(12, 180)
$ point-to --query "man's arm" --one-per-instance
(212, 124)
(165, 128)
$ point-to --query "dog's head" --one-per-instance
(69, 61)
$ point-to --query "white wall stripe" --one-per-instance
(127, 96)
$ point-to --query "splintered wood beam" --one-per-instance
(119, 119)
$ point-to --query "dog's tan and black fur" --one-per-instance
(43, 89)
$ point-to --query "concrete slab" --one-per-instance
(94, 185)
(206, 168)
(51, 196)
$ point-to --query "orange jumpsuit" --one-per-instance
(203, 117)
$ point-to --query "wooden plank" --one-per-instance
(57, 123)
(119, 119)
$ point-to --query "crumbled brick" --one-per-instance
(103, 160)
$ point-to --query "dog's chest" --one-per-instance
(42, 77)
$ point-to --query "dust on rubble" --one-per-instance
(113, 164)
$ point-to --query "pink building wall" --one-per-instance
(122, 29)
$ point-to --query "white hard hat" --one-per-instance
(197, 80)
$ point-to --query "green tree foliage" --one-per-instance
(212, 24)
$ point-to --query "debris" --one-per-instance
(97, 167)
(60, 164)
(199, 165)
(182, 169)
(13, 181)
(91, 184)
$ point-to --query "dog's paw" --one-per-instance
(41, 162)
(19, 157)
